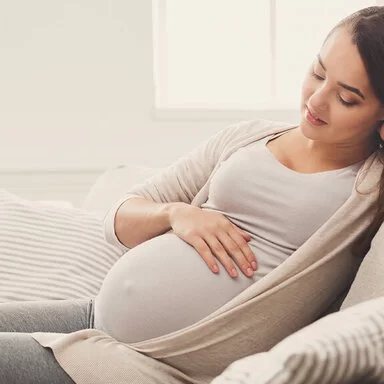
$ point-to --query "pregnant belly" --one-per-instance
(161, 286)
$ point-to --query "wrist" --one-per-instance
(171, 209)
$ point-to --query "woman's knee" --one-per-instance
(61, 316)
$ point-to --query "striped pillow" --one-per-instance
(342, 348)
(50, 252)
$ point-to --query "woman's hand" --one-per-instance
(213, 235)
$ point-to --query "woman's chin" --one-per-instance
(310, 131)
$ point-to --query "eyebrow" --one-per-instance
(347, 87)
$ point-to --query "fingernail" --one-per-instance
(233, 272)
(215, 268)
(249, 271)
(254, 265)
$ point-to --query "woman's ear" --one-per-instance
(380, 123)
(380, 129)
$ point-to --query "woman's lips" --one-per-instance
(312, 119)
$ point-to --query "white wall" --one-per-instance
(76, 91)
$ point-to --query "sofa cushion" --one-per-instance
(369, 282)
(50, 252)
(342, 348)
(113, 184)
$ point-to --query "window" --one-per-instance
(238, 54)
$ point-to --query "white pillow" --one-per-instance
(369, 282)
(345, 347)
(50, 252)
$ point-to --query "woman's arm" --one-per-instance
(129, 223)
(138, 220)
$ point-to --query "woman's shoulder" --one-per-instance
(260, 126)
(244, 132)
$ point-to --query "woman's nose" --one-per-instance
(319, 99)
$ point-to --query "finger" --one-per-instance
(221, 254)
(245, 248)
(235, 252)
(205, 252)
(246, 235)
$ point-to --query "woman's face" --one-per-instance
(337, 91)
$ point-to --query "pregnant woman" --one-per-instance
(233, 247)
(277, 209)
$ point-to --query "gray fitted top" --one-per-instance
(163, 284)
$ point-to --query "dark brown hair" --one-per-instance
(367, 30)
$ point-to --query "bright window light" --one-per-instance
(238, 54)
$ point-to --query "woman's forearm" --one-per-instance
(139, 219)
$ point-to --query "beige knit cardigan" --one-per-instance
(293, 295)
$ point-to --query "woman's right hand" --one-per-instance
(213, 235)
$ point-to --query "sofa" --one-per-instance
(345, 346)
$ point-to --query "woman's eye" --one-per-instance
(346, 103)
(342, 101)
(316, 76)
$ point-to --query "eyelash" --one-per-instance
(345, 103)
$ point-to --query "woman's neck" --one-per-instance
(337, 155)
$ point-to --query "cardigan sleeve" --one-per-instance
(179, 182)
